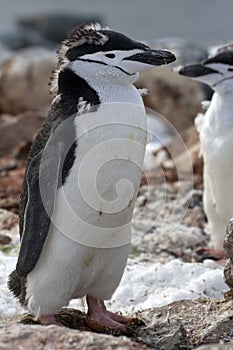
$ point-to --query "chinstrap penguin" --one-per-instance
(75, 242)
(215, 129)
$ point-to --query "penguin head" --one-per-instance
(93, 52)
(216, 71)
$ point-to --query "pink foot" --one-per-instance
(49, 319)
(99, 318)
(218, 255)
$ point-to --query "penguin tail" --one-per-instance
(16, 285)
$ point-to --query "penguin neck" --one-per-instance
(98, 90)
(117, 93)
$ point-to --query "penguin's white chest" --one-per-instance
(89, 241)
(99, 194)
(217, 146)
(216, 141)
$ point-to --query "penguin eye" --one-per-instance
(110, 55)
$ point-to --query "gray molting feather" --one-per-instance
(84, 34)
(143, 92)
(83, 106)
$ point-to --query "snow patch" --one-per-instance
(152, 285)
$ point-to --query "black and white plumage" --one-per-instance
(216, 139)
(72, 242)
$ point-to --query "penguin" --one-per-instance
(82, 177)
(215, 129)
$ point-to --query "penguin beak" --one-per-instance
(153, 57)
(196, 70)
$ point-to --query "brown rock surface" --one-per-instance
(21, 128)
(7, 219)
(10, 186)
(176, 98)
(24, 80)
(216, 347)
(184, 324)
(18, 337)
(205, 320)
(228, 269)
(182, 161)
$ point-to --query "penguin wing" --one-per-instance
(41, 181)
(38, 145)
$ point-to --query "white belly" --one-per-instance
(89, 242)
(218, 183)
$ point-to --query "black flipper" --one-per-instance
(38, 212)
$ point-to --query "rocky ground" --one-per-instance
(168, 284)
(180, 325)
(169, 214)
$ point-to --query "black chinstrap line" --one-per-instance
(123, 70)
(220, 81)
(89, 60)
(105, 64)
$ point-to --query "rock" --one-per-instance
(228, 269)
(190, 138)
(17, 130)
(16, 38)
(17, 337)
(196, 200)
(4, 239)
(228, 241)
(185, 151)
(7, 164)
(204, 320)
(7, 220)
(22, 149)
(226, 346)
(159, 132)
(179, 159)
(184, 324)
(24, 80)
(10, 188)
(197, 163)
(176, 98)
(228, 278)
(55, 26)
(195, 218)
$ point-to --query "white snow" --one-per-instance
(150, 285)
(8, 305)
